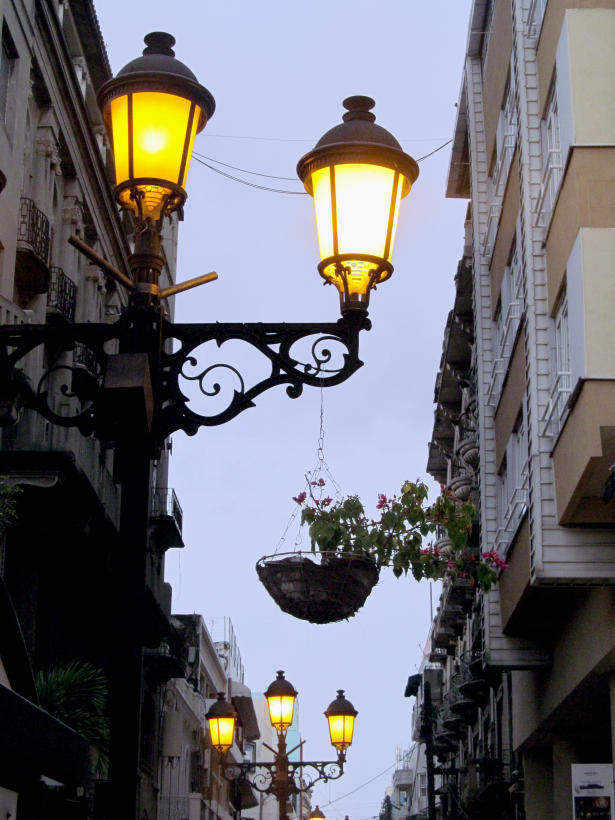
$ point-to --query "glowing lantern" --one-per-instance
(357, 174)
(341, 714)
(153, 109)
(222, 718)
(281, 695)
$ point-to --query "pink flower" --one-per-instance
(319, 483)
(382, 500)
(300, 498)
(326, 501)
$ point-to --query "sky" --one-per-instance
(279, 71)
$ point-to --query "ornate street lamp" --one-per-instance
(357, 174)
(281, 696)
(283, 777)
(221, 719)
(137, 395)
(341, 714)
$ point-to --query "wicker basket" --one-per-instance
(318, 587)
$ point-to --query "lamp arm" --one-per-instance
(319, 355)
(301, 776)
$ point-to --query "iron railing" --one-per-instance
(86, 358)
(555, 412)
(516, 508)
(549, 187)
(166, 505)
(62, 296)
(33, 229)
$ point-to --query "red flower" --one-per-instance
(300, 498)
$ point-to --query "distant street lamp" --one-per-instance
(136, 397)
(281, 776)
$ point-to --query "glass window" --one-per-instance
(8, 58)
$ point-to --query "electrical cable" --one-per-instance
(202, 157)
(367, 782)
(243, 170)
(250, 184)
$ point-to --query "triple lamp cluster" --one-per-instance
(281, 695)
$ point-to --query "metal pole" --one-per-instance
(431, 796)
(281, 785)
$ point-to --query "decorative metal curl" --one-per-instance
(275, 342)
(300, 777)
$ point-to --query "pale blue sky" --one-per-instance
(279, 71)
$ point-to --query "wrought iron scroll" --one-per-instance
(67, 385)
(275, 342)
(301, 776)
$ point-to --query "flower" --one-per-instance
(300, 498)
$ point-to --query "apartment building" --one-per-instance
(192, 785)
(59, 565)
(525, 416)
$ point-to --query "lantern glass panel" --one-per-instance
(281, 710)
(341, 728)
(363, 196)
(222, 730)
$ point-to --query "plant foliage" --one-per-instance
(398, 538)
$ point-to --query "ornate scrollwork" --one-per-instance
(278, 343)
(300, 776)
(63, 381)
(67, 375)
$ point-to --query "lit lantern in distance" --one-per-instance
(341, 714)
(222, 719)
(281, 695)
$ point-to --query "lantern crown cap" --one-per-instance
(358, 126)
(158, 56)
(281, 687)
(341, 706)
(359, 108)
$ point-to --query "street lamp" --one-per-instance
(357, 174)
(137, 398)
(221, 719)
(283, 777)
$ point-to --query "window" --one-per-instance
(535, 17)
(512, 486)
(506, 322)
(8, 59)
(551, 159)
(557, 406)
(423, 784)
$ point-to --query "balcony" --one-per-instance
(513, 514)
(62, 296)
(162, 664)
(32, 258)
(166, 518)
(549, 188)
(554, 414)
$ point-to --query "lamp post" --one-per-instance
(153, 109)
(283, 777)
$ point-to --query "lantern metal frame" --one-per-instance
(358, 140)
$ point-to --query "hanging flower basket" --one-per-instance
(320, 587)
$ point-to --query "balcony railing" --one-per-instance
(502, 167)
(166, 505)
(62, 296)
(551, 178)
(492, 230)
(515, 510)
(506, 341)
(555, 412)
(33, 229)
(535, 17)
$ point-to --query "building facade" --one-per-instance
(60, 563)
(525, 418)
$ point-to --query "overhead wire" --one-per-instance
(201, 158)
(367, 782)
